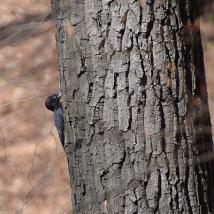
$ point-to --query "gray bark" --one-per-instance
(135, 106)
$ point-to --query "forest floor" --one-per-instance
(34, 177)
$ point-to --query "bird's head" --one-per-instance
(53, 101)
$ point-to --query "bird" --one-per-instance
(52, 103)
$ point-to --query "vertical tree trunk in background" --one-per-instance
(135, 100)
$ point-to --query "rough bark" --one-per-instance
(135, 106)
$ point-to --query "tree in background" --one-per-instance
(135, 106)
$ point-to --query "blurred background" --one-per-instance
(33, 168)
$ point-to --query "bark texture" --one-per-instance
(135, 106)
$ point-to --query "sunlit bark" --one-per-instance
(135, 100)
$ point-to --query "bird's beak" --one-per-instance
(59, 94)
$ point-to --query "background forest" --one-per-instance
(33, 168)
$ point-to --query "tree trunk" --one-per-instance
(135, 106)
